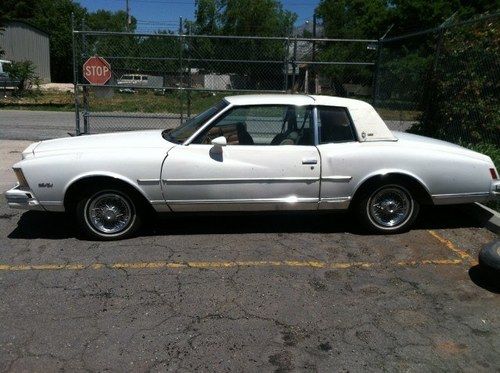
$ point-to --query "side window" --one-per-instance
(334, 125)
(262, 125)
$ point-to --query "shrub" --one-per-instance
(24, 72)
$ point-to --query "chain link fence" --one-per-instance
(158, 80)
(441, 82)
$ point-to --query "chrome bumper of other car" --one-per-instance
(22, 199)
(495, 189)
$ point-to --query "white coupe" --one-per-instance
(252, 153)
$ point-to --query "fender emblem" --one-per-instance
(45, 185)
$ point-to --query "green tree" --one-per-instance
(207, 16)
(243, 17)
(462, 97)
(105, 20)
(247, 18)
(354, 18)
(370, 19)
(112, 47)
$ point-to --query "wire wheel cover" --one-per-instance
(390, 207)
(109, 213)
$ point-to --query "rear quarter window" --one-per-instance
(335, 125)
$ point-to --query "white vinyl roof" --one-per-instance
(369, 125)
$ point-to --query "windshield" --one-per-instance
(186, 130)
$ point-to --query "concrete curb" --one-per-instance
(489, 218)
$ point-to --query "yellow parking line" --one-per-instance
(408, 263)
(221, 264)
(451, 246)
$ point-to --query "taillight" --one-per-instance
(493, 173)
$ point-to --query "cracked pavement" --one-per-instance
(417, 316)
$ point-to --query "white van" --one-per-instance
(132, 80)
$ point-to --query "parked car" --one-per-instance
(253, 153)
(8, 82)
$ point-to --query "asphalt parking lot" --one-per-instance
(277, 293)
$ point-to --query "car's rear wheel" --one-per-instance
(109, 214)
(389, 208)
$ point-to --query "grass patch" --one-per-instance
(143, 101)
(48, 100)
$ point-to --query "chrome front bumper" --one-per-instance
(22, 199)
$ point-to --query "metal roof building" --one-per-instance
(22, 41)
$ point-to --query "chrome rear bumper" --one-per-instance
(22, 199)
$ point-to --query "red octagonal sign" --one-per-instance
(97, 70)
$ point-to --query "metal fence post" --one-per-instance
(294, 63)
(75, 77)
(376, 72)
(314, 67)
(431, 86)
(189, 71)
(285, 64)
(439, 46)
(85, 89)
(181, 78)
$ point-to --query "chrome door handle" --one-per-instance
(309, 161)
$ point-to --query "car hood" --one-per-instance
(119, 140)
(408, 139)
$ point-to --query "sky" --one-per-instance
(164, 14)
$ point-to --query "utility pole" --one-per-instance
(127, 10)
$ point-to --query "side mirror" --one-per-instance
(219, 141)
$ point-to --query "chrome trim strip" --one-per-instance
(315, 125)
(335, 199)
(157, 202)
(460, 195)
(51, 203)
(288, 200)
(148, 181)
(243, 180)
(334, 203)
(336, 178)
(457, 198)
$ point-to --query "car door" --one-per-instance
(269, 163)
(340, 160)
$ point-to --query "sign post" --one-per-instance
(97, 71)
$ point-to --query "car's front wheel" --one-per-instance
(109, 214)
(389, 208)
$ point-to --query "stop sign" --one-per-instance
(97, 70)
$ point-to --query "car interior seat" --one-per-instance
(244, 137)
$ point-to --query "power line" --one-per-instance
(187, 2)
